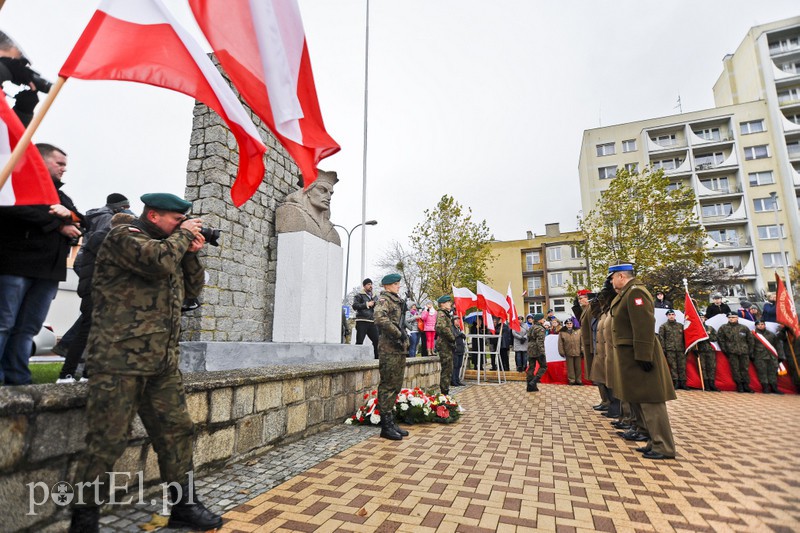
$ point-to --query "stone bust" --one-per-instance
(309, 209)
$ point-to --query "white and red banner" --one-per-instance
(463, 299)
(693, 330)
(30, 182)
(785, 311)
(140, 41)
(492, 301)
(261, 44)
(513, 319)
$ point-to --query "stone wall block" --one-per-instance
(274, 425)
(249, 433)
(293, 391)
(197, 405)
(210, 447)
(313, 387)
(243, 401)
(316, 412)
(296, 418)
(221, 402)
(13, 432)
(268, 395)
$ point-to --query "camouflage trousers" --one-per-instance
(677, 364)
(767, 369)
(532, 360)
(392, 368)
(708, 362)
(740, 367)
(446, 358)
(112, 403)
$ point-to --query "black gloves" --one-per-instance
(647, 366)
(16, 71)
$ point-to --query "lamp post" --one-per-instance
(774, 197)
(347, 263)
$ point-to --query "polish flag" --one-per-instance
(492, 301)
(488, 321)
(693, 330)
(785, 311)
(261, 44)
(30, 182)
(513, 320)
(140, 40)
(463, 299)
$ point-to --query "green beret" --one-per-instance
(388, 279)
(165, 201)
(443, 299)
(537, 317)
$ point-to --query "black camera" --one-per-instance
(42, 85)
(211, 235)
(19, 72)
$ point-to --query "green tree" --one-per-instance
(640, 219)
(397, 258)
(450, 249)
(703, 280)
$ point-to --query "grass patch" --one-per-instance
(45, 372)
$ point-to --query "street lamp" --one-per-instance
(774, 197)
(347, 264)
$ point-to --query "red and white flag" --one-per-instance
(463, 299)
(261, 44)
(693, 330)
(140, 40)
(492, 301)
(488, 321)
(785, 312)
(513, 319)
(30, 182)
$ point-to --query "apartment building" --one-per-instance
(742, 158)
(542, 267)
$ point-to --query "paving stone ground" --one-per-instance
(518, 461)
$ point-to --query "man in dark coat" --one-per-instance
(641, 375)
(364, 305)
(717, 307)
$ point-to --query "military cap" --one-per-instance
(583, 292)
(732, 314)
(165, 201)
(670, 311)
(716, 295)
(537, 317)
(443, 299)
(620, 268)
(327, 176)
(388, 279)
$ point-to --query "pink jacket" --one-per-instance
(429, 319)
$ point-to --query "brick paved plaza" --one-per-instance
(526, 462)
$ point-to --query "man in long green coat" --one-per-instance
(641, 375)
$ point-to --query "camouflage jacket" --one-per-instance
(445, 338)
(536, 335)
(390, 318)
(671, 336)
(761, 352)
(140, 279)
(735, 339)
(705, 346)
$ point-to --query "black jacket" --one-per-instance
(714, 310)
(360, 305)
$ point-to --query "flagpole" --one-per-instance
(25, 140)
(364, 161)
(791, 349)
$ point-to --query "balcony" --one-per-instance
(708, 166)
(730, 189)
(737, 242)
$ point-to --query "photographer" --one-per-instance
(15, 68)
(142, 273)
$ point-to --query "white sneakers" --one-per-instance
(70, 379)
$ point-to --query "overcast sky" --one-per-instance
(485, 101)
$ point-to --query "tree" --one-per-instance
(397, 259)
(641, 220)
(450, 249)
(703, 280)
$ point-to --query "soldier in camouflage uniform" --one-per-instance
(445, 341)
(142, 273)
(765, 360)
(671, 336)
(390, 319)
(708, 357)
(736, 343)
(536, 335)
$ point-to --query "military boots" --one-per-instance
(387, 428)
(401, 431)
(746, 387)
(775, 389)
(187, 511)
(85, 520)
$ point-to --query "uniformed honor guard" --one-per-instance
(767, 353)
(640, 370)
(390, 318)
(536, 335)
(142, 273)
(708, 357)
(736, 343)
(671, 336)
(445, 341)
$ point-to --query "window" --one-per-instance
(666, 140)
(756, 152)
(793, 149)
(717, 210)
(788, 96)
(720, 184)
(765, 204)
(535, 307)
(706, 161)
(794, 118)
(606, 173)
(774, 259)
(792, 67)
(667, 164)
(673, 187)
(534, 286)
(736, 291)
(558, 305)
(784, 45)
(730, 261)
(709, 134)
(605, 149)
(632, 168)
(761, 178)
(629, 145)
(722, 235)
(556, 279)
(554, 253)
(772, 286)
(579, 279)
(770, 231)
(753, 126)
(531, 258)
(574, 252)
